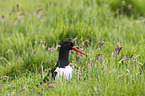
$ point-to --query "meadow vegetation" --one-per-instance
(31, 32)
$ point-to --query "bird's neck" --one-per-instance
(63, 54)
(63, 57)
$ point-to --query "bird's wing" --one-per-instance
(52, 73)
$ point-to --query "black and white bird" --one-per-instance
(62, 67)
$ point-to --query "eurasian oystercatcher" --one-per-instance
(62, 67)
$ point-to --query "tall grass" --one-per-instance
(29, 35)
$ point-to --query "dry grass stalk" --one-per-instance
(101, 43)
(118, 49)
(20, 91)
(51, 82)
(49, 87)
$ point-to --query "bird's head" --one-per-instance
(70, 46)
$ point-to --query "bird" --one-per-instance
(63, 68)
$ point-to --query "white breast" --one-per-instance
(64, 72)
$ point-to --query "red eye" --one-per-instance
(69, 44)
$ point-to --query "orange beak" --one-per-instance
(74, 48)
